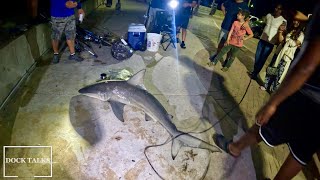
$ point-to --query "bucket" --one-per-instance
(153, 41)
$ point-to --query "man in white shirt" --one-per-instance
(271, 35)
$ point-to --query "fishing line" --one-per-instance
(172, 138)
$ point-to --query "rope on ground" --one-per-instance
(172, 138)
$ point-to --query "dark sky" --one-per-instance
(262, 7)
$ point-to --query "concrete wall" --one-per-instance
(18, 56)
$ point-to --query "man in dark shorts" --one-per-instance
(291, 115)
(182, 19)
(63, 21)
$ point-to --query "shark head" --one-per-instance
(101, 91)
(104, 91)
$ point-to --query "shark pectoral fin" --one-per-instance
(175, 148)
(137, 79)
(117, 109)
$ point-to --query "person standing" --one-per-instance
(182, 19)
(235, 39)
(291, 114)
(272, 34)
(230, 9)
(154, 7)
(64, 21)
(292, 41)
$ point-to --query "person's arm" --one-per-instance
(281, 31)
(308, 62)
(79, 7)
(75, 4)
(299, 40)
(229, 34)
(249, 32)
(224, 7)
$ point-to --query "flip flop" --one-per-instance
(223, 143)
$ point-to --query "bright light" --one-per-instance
(173, 4)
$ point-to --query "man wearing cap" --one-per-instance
(291, 115)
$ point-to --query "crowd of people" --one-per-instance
(286, 36)
(293, 78)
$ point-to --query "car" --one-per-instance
(257, 25)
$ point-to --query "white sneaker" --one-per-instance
(263, 88)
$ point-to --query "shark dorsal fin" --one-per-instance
(137, 79)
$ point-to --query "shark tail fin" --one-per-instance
(175, 148)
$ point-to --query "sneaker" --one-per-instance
(252, 75)
(55, 58)
(76, 58)
(211, 64)
(263, 88)
(177, 40)
(183, 45)
(224, 69)
(223, 144)
(213, 57)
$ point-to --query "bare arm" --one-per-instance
(223, 9)
(248, 37)
(249, 31)
(308, 62)
(280, 36)
(229, 34)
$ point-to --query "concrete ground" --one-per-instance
(89, 142)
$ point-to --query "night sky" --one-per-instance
(263, 7)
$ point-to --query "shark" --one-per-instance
(133, 93)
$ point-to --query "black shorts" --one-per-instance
(182, 21)
(296, 123)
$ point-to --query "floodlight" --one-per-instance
(173, 4)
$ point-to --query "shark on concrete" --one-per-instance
(132, 92)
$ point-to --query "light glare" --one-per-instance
(173, 4)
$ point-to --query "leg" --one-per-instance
(57, 29)
(70, 32)
(259, 50)
(184, 34)
(289, 169)
(261, 56)
(221, 40)
(251, 137)
(183, 38)
(233, 53)
(220, 55)
(184, 26)
(55, 46)
(70, 43)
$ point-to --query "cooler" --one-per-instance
(136, 36)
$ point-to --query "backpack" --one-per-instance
(121, 51)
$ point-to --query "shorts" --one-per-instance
(65, 25)
(182, 21)
(223, 35)
(296, 123)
